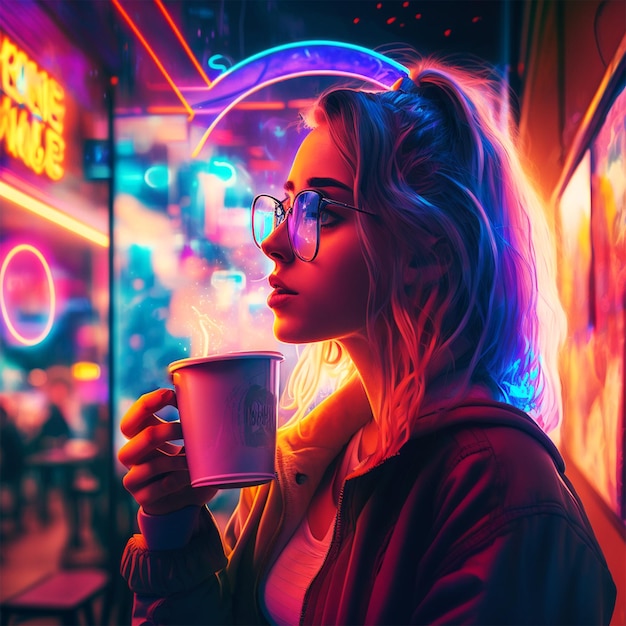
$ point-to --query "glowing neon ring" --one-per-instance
(307, 58)
(3, 306)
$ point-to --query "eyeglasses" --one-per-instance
(303, 225)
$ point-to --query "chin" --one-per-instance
(294, 333)
(289, 335)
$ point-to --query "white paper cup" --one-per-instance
(228, 407)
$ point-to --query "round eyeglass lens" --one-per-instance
(263, 218)
(303, 225)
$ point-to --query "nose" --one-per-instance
(277, 246)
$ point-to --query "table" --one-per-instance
(67, 461)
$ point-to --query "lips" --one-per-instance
(280, 287)
(281, 294)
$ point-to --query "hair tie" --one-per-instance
(405, 84)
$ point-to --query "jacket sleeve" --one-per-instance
(511, 542)
(181, 586)
(537, 569)
(191, 584)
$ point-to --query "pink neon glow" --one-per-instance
(5, 290)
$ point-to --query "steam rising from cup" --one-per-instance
(212, 332)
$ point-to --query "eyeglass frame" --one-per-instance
(323, 201)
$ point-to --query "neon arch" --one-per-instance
(307, 58)
(27, 341)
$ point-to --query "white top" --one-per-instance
(292, 573)
(301, 559)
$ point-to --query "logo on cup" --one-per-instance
(258, 417)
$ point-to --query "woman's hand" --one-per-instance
(158, 481)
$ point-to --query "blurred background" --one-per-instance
(133, 136)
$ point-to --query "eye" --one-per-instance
(329, 218)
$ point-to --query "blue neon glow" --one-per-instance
(521, 382)
(304, 45)
(223, 170)
(308, 58)
(216, 62)
(158, 177)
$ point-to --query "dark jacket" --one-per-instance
(472, 522)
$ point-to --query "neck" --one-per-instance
(444, 387)
(359, 350)
(361, 354)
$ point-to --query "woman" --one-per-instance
(412, 256)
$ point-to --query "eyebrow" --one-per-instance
(319, 183)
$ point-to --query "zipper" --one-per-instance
(335, 542)
(334, 548)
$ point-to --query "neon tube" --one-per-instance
(3, 306)
(308, 58)
(155, 58)
(182, 41)
(53, 215)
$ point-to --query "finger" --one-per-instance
(177, 500)
(141, 413)
(156, 470)
(143, 446)
(173, 490)
(160, 493)
(167, 492)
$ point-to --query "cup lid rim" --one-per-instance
(227, 356)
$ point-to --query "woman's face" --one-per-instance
(327, 297)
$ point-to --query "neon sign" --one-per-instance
(54, 215)
(306, 58)
(32, 112)
(19, 291)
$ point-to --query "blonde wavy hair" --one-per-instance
(435, 158)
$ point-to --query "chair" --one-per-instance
(64, 594)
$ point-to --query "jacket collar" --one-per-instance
(308, 446)
(485, 413)
(329, 427)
